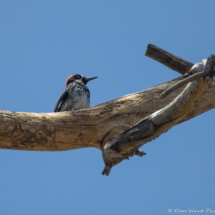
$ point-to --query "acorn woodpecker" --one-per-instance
(76, 95)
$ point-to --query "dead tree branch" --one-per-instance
(127, 144)
(118, 127)
(169, 60)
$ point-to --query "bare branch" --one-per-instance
(172, 61)
(118, 127)
(89, 127)
(194, 74)
(125, 145)
(180, 84)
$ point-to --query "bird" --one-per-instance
(76, 95)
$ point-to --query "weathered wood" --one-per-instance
(193, 74)
(125, 145)
(113, 122)
(89, 127)
(180, 84)
(173, 62)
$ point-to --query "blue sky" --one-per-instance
(44, 42)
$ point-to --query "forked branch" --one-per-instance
(117, 127)
(126, 145)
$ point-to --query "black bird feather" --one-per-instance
(75, 96)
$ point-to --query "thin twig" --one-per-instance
(180, 84)
(208, 71)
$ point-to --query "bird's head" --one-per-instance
(78, 78)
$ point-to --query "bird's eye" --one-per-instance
(78, 76)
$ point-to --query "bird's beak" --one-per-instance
(90, 79)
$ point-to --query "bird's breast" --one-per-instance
(79, 99)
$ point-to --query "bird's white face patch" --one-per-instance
(79, 80)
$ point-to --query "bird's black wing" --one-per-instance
(63, 97)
